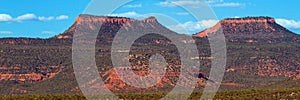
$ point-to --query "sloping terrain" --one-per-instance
(260, 53)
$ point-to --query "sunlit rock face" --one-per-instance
(251, 29)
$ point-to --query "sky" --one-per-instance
(47, 18)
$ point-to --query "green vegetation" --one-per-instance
(245, 58)
(44, 97)
(31, 57)
(292, 93)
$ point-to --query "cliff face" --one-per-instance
(107, 23)
(251, 29)
(106, 19)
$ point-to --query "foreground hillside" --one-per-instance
(260, 55)
(62, 80)
(223, 95)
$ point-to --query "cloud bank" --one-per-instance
(30, 17)
(288, 23)
(193, 26)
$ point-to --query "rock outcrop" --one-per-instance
(15, 74)
(251, 29)
(92, 21)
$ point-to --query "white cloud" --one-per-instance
(196, 4)
(222, 3)
(48, 32)
(182, 13)
(180, 3)
(133, 6)
(236, 16)
(30, 16)
(214, 1)
(6, 32)
(5, 18)
(230, 4)
(25, 17)
(129, 14)
(193, 26)
(45, 18)
(62, 17)
(288, 23)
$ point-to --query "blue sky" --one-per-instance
(46, 18)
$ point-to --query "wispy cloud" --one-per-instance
(193, 26)
(182, 13)
(45, 18)
(214, 1)
(30, 17)
(180, 3)
(222, 3)
(48, 32)
(196, 4)
(6, 32)
(62, 17)
(25, 17)
(129, 14)
(230, 4)
(288, 23)
(133, 6)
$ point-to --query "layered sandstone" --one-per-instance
(93, 23)
(235, 23)
(14, 74)
(251, 29)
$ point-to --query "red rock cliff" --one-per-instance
(251, 29)
(89, 19)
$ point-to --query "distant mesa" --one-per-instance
(84, 18)
(91, 19)
(251, 29)
(244, 23)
